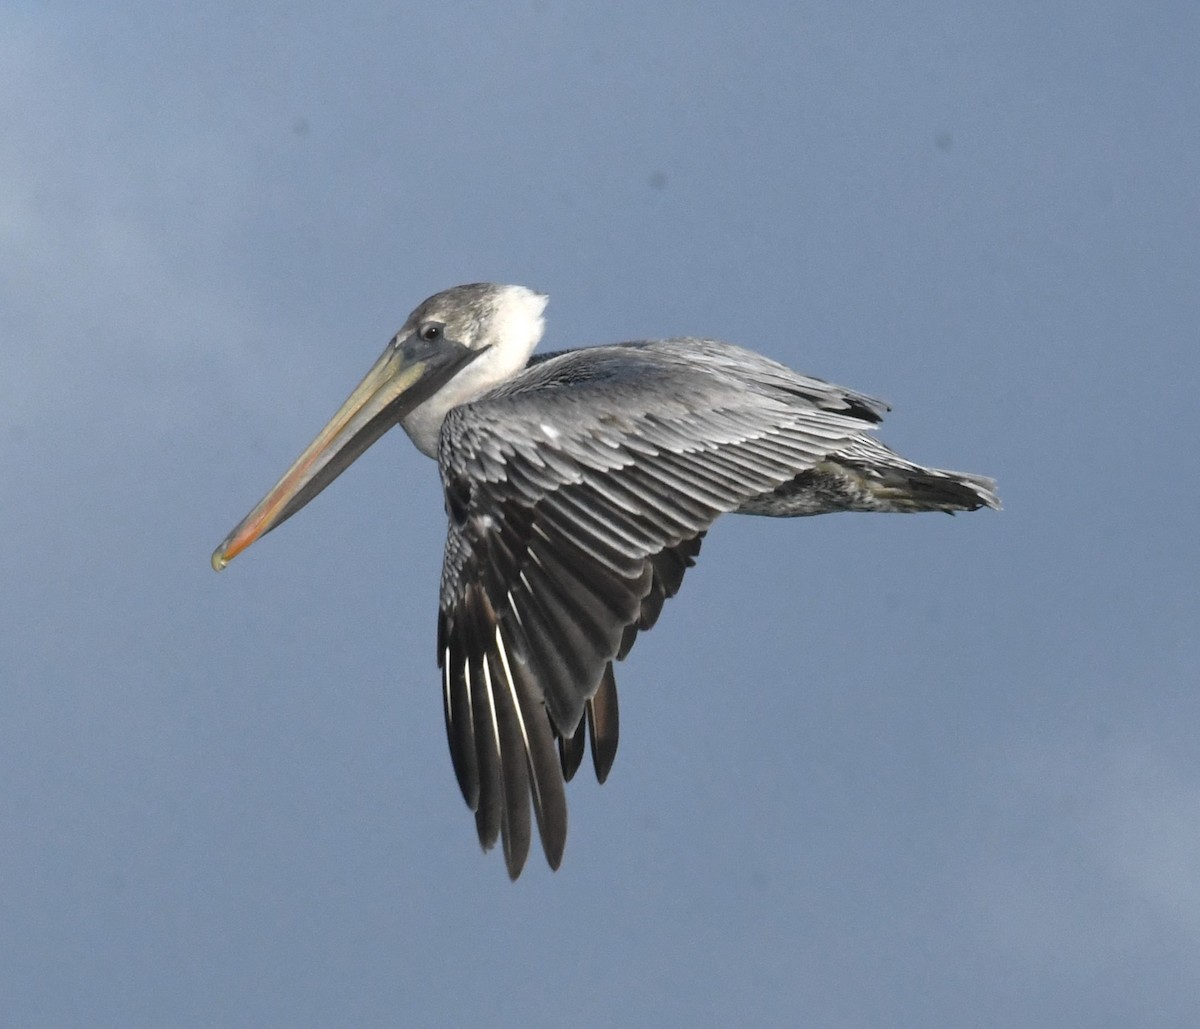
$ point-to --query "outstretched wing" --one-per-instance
(577, 496)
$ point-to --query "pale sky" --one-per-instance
(874, 770)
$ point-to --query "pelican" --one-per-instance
(578, 487)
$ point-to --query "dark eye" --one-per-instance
(431, 332)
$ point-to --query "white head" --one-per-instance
(454, 347)
(505, 322)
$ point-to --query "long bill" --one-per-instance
(408, 373)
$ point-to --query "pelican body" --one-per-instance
(578, 488)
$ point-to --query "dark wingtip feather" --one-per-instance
(515, 829)
(543, 782)
(516, 843)
(554, 859)
(487, 828)
(490, 811)
(570, 752)
(604, 724)
(460, 732)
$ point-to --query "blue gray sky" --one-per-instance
(873, 771)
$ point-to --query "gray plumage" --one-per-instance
(578, 489)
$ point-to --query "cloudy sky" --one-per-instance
(874, 770)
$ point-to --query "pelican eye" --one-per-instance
(431, 332)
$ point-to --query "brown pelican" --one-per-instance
(578, 487)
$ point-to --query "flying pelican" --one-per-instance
(578, 487)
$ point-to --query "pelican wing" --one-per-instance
(578, 494)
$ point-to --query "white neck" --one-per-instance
(510, 335)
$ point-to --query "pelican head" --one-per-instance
(455, 346)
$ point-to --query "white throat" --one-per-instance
(509, 332)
